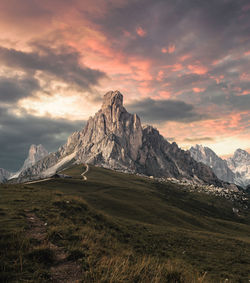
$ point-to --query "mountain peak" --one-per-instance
(112, 98)
(240, 155)
(241, 151)
(36, 152)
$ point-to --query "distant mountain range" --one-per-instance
(36, 153)
(115, 139)
(4, 175)
(234, 170)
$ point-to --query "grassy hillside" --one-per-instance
(116, 227)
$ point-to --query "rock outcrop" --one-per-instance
(36, 153)
(239, 163)
(233, 170)
(210, 158)
(4, 175)
(115, 139)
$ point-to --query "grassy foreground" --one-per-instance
(119, 228)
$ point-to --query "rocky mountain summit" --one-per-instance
(36, 153)
(4, 175)
(210, 158)
(115, 139)
(239, 163)
(233, 170)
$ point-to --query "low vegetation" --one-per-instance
(119, 228)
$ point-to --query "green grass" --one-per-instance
(123, 228)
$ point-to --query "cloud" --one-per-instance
(164, 110)
(59, 62)
(233, 102)
(170, 49)
(17, 133)
(198, 140)
(141, 32)
(198, 89)
(15, 88)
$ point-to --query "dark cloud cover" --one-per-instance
(211, 28)
(17, 133)
(61, 62)
(233, 102)
(15, 88)
(165, 110)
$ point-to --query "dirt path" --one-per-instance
(63, 270)
(38, 181)
(84, 173)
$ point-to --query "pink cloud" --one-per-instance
(175, 67)
(141, 32)
(160, 75)
(217, 79)
(164, 50)
(245, 77)
(245, 92)
(170, 49)
(197, 89)
(198, 69)
(184, 57)
(165, 94)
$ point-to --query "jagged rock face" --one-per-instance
(240, 165)
(4, 175)
(36, 153)
(115, 138)
(209, 157)
(234, 170)
(161, 159)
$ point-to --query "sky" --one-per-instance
(182, 66)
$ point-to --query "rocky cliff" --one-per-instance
(233, 170)
(210, 158)
(239, 163)
(4, 175)
(36, 153)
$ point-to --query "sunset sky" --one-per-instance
(182, 66)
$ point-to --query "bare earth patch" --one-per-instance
(62, 270)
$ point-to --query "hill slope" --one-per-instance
(121, 226)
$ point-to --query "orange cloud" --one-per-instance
(184, 57)
(197, 89)
(175, 67)
(164, 50)
(198, 69)
(160, 75)
(165, 94)
(141, 32)
(245, 77)
(245, 92)
(170, 49)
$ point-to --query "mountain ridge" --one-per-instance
(4, 175)
(115, 139)
(36, 153)
(235, 169)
